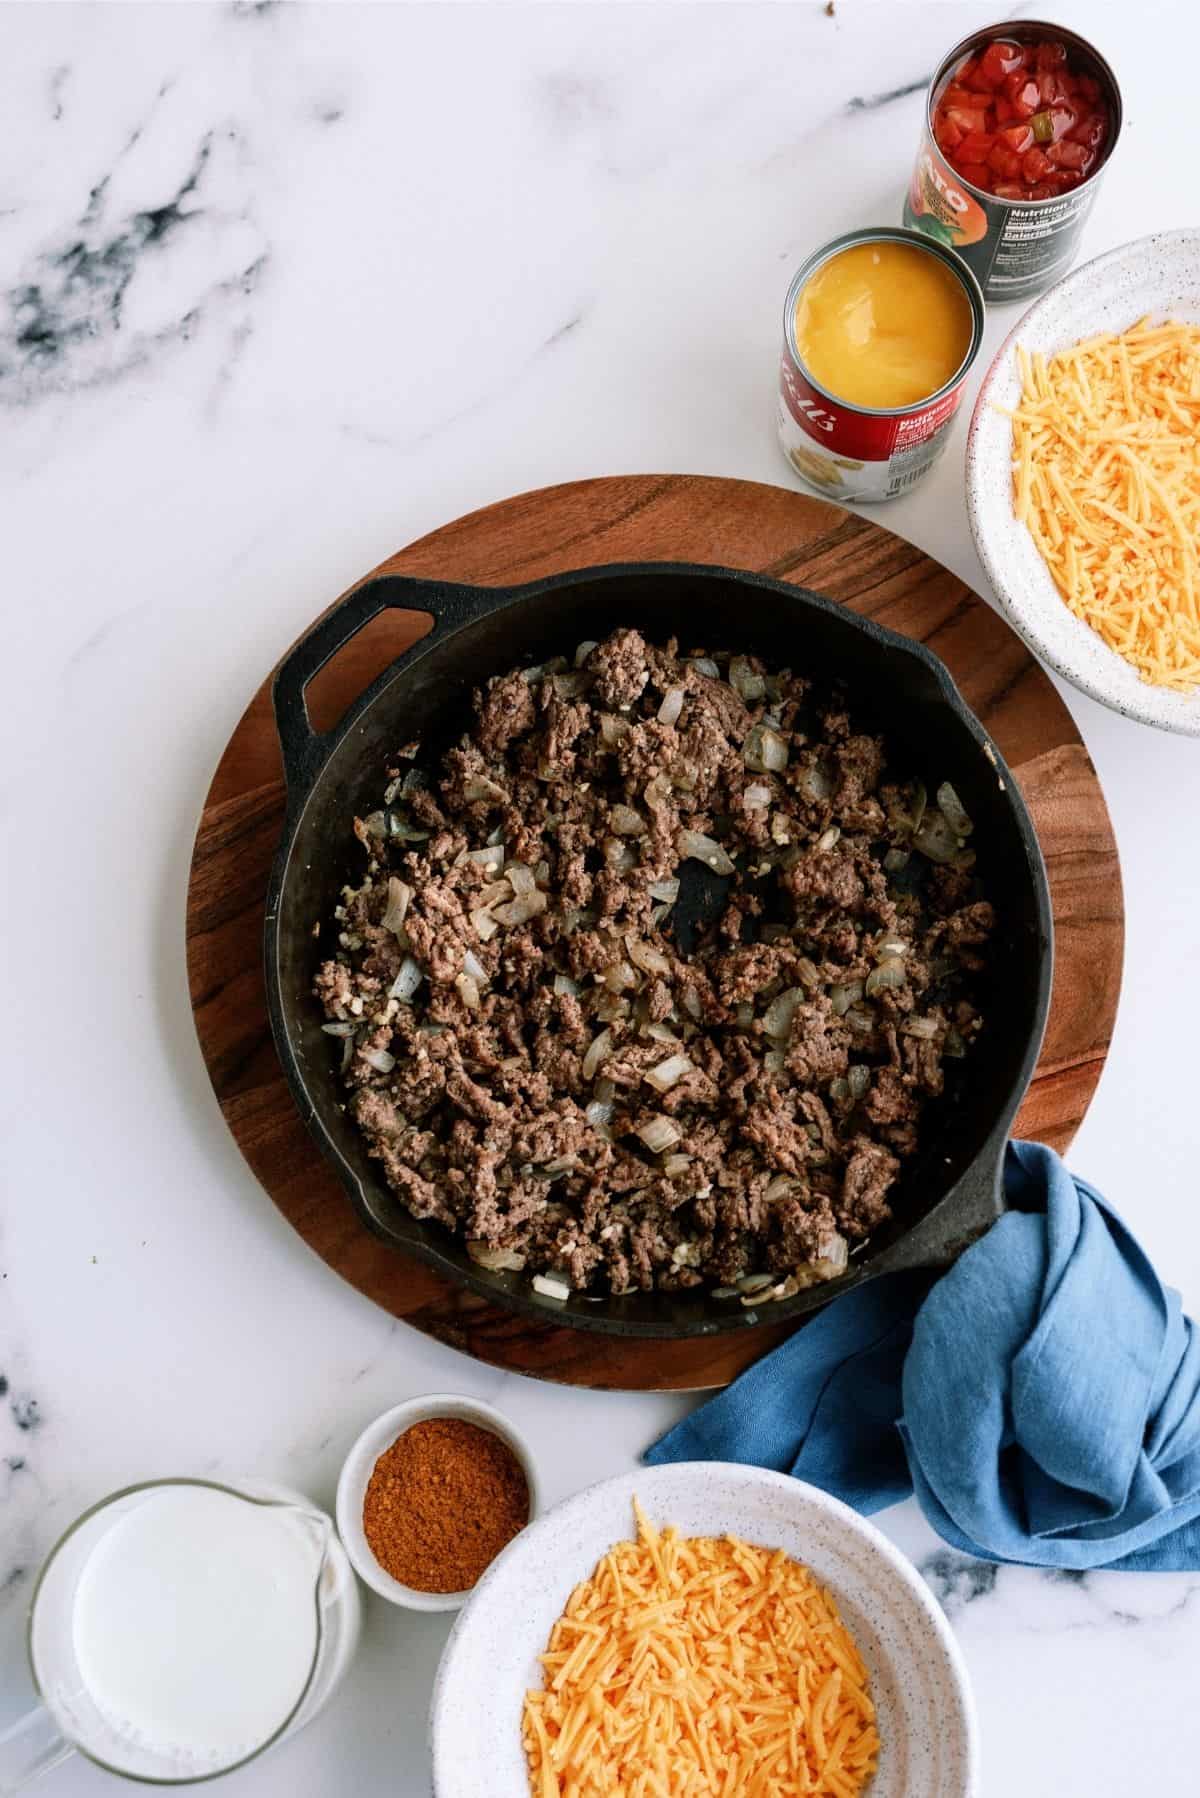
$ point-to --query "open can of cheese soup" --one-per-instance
(879, 330)
(1021, 119)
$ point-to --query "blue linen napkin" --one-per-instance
(1042, 1397)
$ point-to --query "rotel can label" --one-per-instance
(1015, 248)
(855, 452)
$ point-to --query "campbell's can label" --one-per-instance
(1015, 248)
(862, 453)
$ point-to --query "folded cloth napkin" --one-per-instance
(1042, 1398)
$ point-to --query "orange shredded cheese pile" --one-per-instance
(699, 1667)
(1106, 475)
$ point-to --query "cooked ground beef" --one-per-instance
(553, 1053)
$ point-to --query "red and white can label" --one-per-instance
(849, 454)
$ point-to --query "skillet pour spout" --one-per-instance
(950, 1192)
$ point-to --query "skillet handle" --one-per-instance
(303, 748)
(962, 1218)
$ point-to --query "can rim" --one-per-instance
(886, 234)
(1014, 28)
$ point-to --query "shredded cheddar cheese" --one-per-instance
(699, 1667)
(1106, 476)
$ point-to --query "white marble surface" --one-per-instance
(280, 289)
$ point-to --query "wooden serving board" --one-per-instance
(638, 518)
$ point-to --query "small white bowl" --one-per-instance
(360, 1464)
(1159, 275)
(929, 1746)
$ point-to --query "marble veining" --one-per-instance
(282, 288)
(68, 323)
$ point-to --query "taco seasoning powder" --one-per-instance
(442, 1502)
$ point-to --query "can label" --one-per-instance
(848, 454)
(1014, 250)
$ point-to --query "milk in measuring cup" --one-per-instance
(195, 1623)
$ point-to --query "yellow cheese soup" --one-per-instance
(883, 325)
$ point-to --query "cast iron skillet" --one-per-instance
(951, 1192)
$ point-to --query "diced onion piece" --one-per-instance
(569, 686)
(612, 729)
(490, 857)
(480, 787)
(842, 997)
(774, 1061)
(833, 1259)
(626, 822)
(694, 845)
(550, 1287)
(692, 1003)
(399, 897)
(403, 830)
(562, 1164)
(891, 945)
(750, 1284)
(661, 1034)
(810, 974)
(599, 1049)
(743, 1013)
(339, 1029)
(816, 783)
(565, 987)
(675, 1165)
(839, 1088)
(468, 991)
(765, 750)
(896, 860)
(620, 978)
(890, 974)
(666, 891)
(706, 665)
(951, 808)
(672, 705)
(485, 925)
(659, 1133)
(379, 1059)
(756, 798)
(745, 681)
(936, 839)
(584, 651)
(780, 1188)
(646, 957)
(668, 1073)
(605, 1090)
(620, 856)
(407, 980)
(858, 1080)
(777, 1019)
(600, 1111)
(497, 1261)
(955, 1045)
(827, 839)
(475, 968)
(924, 1029)
(527, 906)
(520, 878)
(920, 800)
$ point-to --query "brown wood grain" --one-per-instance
(639, 518)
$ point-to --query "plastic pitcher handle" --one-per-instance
(30, 1748)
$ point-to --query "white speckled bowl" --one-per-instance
(919, 1684)
(1159, 275)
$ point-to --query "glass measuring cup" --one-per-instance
(68, 1719)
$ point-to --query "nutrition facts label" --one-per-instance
(1026, 254)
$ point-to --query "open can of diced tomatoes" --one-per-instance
(849, 450)
(1021, 120)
